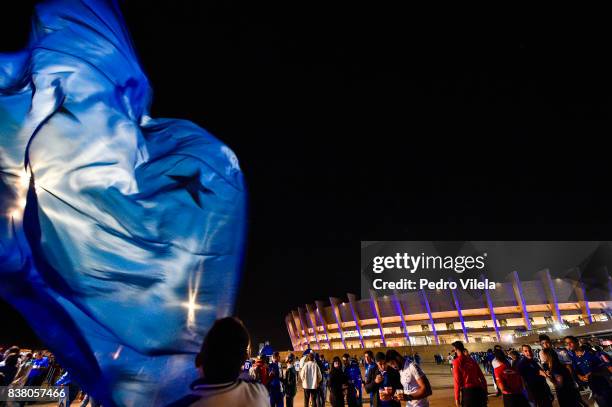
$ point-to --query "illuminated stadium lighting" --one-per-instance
(506, 314)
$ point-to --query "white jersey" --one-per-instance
(237, 394)
(408, 377)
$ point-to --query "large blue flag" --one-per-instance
(121, 235)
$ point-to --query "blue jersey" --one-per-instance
(354, 374)
(38, 366)
(40, 363)
(588, 362)
(591, 362)
(325, 369)
(604, 357)
(63, 380)
(368, 367)
(247, 365)
(274, 371)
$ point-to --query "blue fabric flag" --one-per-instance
(121, 236)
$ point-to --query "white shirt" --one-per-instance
(235, 394)
(408, 377)
(310, 374)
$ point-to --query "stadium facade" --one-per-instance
(513, 309)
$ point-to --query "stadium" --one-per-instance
(512, 310)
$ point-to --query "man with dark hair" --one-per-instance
(40, 367)
(324, 366)
(374, 379)
(416, 386)
(369, 364)
(219, 362)
(290, 381)
(469, 382)
(382, 381)
(353, 373)
(535, 379)
(274, 382)
(494, 365)
(565, 357)
(594, 372)
(572, 344)
(8, 369)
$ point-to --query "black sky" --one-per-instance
(400, 124)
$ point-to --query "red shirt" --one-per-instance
(467, 374)
(263, 372)
(510, 378)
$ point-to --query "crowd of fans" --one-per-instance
(522, 377)
(22, 367)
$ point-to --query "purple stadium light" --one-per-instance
(431, 321)
(458, 307)
(374, 306)
(301, 329)
(351, 299)
(520, 298)
(400, 312)
(336, 313)
(491, 310)
(313, 326)
(322, 321)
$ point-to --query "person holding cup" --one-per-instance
(416, 387)
(383, 381)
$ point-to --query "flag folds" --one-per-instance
(121, 235)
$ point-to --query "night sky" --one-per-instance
(419, 124)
